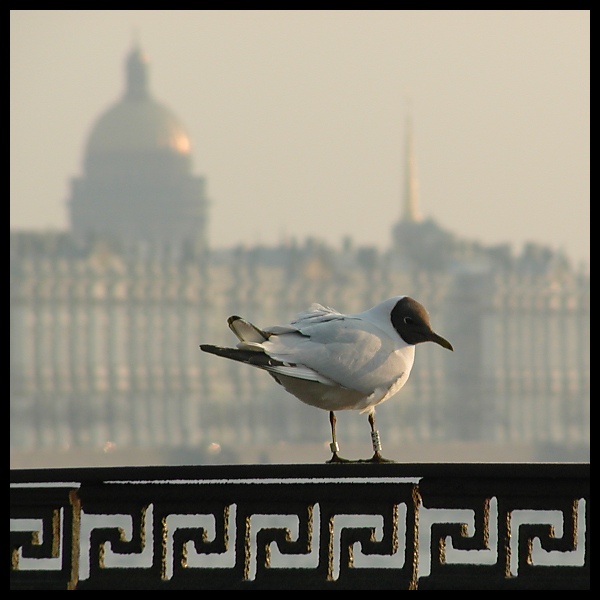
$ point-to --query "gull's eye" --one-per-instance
(408, 320)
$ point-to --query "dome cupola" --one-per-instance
(137, 124)
(137, 181)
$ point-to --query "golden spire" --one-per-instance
(412, 211)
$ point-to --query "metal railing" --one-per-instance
(339, 526)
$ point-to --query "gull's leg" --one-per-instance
(376, 458)
(335, 457)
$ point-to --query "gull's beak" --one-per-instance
(438, 339)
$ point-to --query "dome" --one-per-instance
(137, 183)
(137, 126)
(137, 123)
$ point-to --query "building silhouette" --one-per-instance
(137, 182)
(106, 320)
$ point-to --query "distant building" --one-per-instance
(106, 319)
(137, 183)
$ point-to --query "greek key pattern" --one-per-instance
(286, 533)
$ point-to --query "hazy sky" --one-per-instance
(297, 118)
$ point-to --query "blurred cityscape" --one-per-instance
(106, 319)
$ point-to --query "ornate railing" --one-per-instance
(344, 526)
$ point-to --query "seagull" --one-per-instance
(335, 361)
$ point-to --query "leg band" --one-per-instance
(376, 441)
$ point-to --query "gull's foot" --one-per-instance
(377, 458)
(336, 458)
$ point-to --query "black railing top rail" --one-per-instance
(575, 470)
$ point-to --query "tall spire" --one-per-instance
(411, 203)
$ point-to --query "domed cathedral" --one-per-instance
(137, 182)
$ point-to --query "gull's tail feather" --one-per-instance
(250, 357)
(245, 331)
